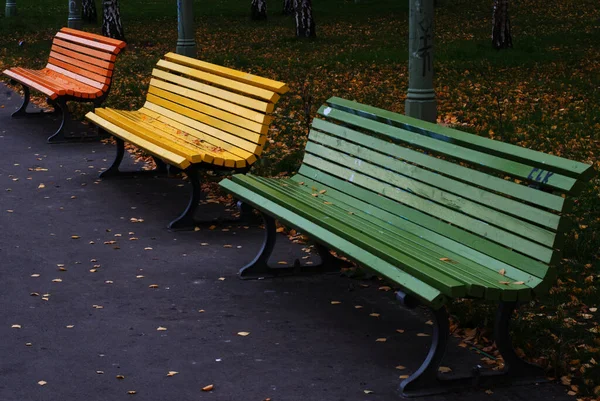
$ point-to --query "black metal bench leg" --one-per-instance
(22, 110)
(259, 267)
(186, 220)
(425, 379)
(59, 135)
(113, 170)
(516, 368)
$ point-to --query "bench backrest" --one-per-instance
(500, 200)
(225, 107)
(85, 57)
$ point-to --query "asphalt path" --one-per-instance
(100, 301)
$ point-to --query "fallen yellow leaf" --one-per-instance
(335, 302)
(422, 335)
(210, 387)
(400, 367)
(15, 326)
(381, 340)
(243, 333)
(160, 328)
(444, 369)
(42, 382)
(172, 373)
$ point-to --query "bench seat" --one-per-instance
(197, 115)
(80, 68)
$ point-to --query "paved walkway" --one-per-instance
(77, 275)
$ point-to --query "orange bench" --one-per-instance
(80, 68)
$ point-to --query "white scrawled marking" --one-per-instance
(351, 178)
(327, 111)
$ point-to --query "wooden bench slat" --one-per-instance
(209, 110)
(183, 135)
(241, 154)
(425, 191)
(101, 72)
(446, 284)
(79, 71)
(89, 43)
(480, 282)
(223, 94)
(92, 36)
(161, 153)
(205, 129)
(107, 65)
(43, 80)
(192, 154)
(216, 103)
(222, 126)
(519, 154)
(231, 84)
(389, 220)
(240, 76)
(85, 50)
(79, 88)
(483, 160)
(37, 86)
(494, 250)
(77, 77)
(496, 184)
(498, 235)
(418, 288)
(430, 178)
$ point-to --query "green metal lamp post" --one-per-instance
(11, 8)
(74, 14)
(420, 100)
(186, 44)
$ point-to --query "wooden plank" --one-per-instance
(184, 135)
(237, 152)
(80, 71)
(91, 36)
(210, 111)
(496, 251)
(222, 126)
(519, 154)
(240, 76)
(250, 90)
(78, 87)
(107, 65)
(229, 96)
(518, 170)
(474, 225)
(43, 80)
(424, 292)
(206, 129)
(89, 43)
(479, 281)
(161, 153)
(421, 187)
(82, 64)
(478, 178)
(390, 221)
(34, 85)
(77, 77)
(446, 284)
(193, 154)
(85, 50)
(244, 112)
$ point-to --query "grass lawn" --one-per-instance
(543, 94)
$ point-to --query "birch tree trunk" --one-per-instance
(501, 36)
(111, 20)
(258, 9)
(305, 24)
(288, 7)
(89, 11)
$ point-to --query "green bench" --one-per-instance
(440, 213)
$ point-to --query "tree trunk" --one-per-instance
(305, 24)
(501, 36)
(258, 9)
(288, 7)
(89, 11)
(111, 20)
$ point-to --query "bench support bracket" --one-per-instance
(22, 110)
(186, 220)
(68, 125)
(426, 381)
(259, 267)
(113, 170)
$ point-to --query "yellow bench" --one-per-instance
(197, 115)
